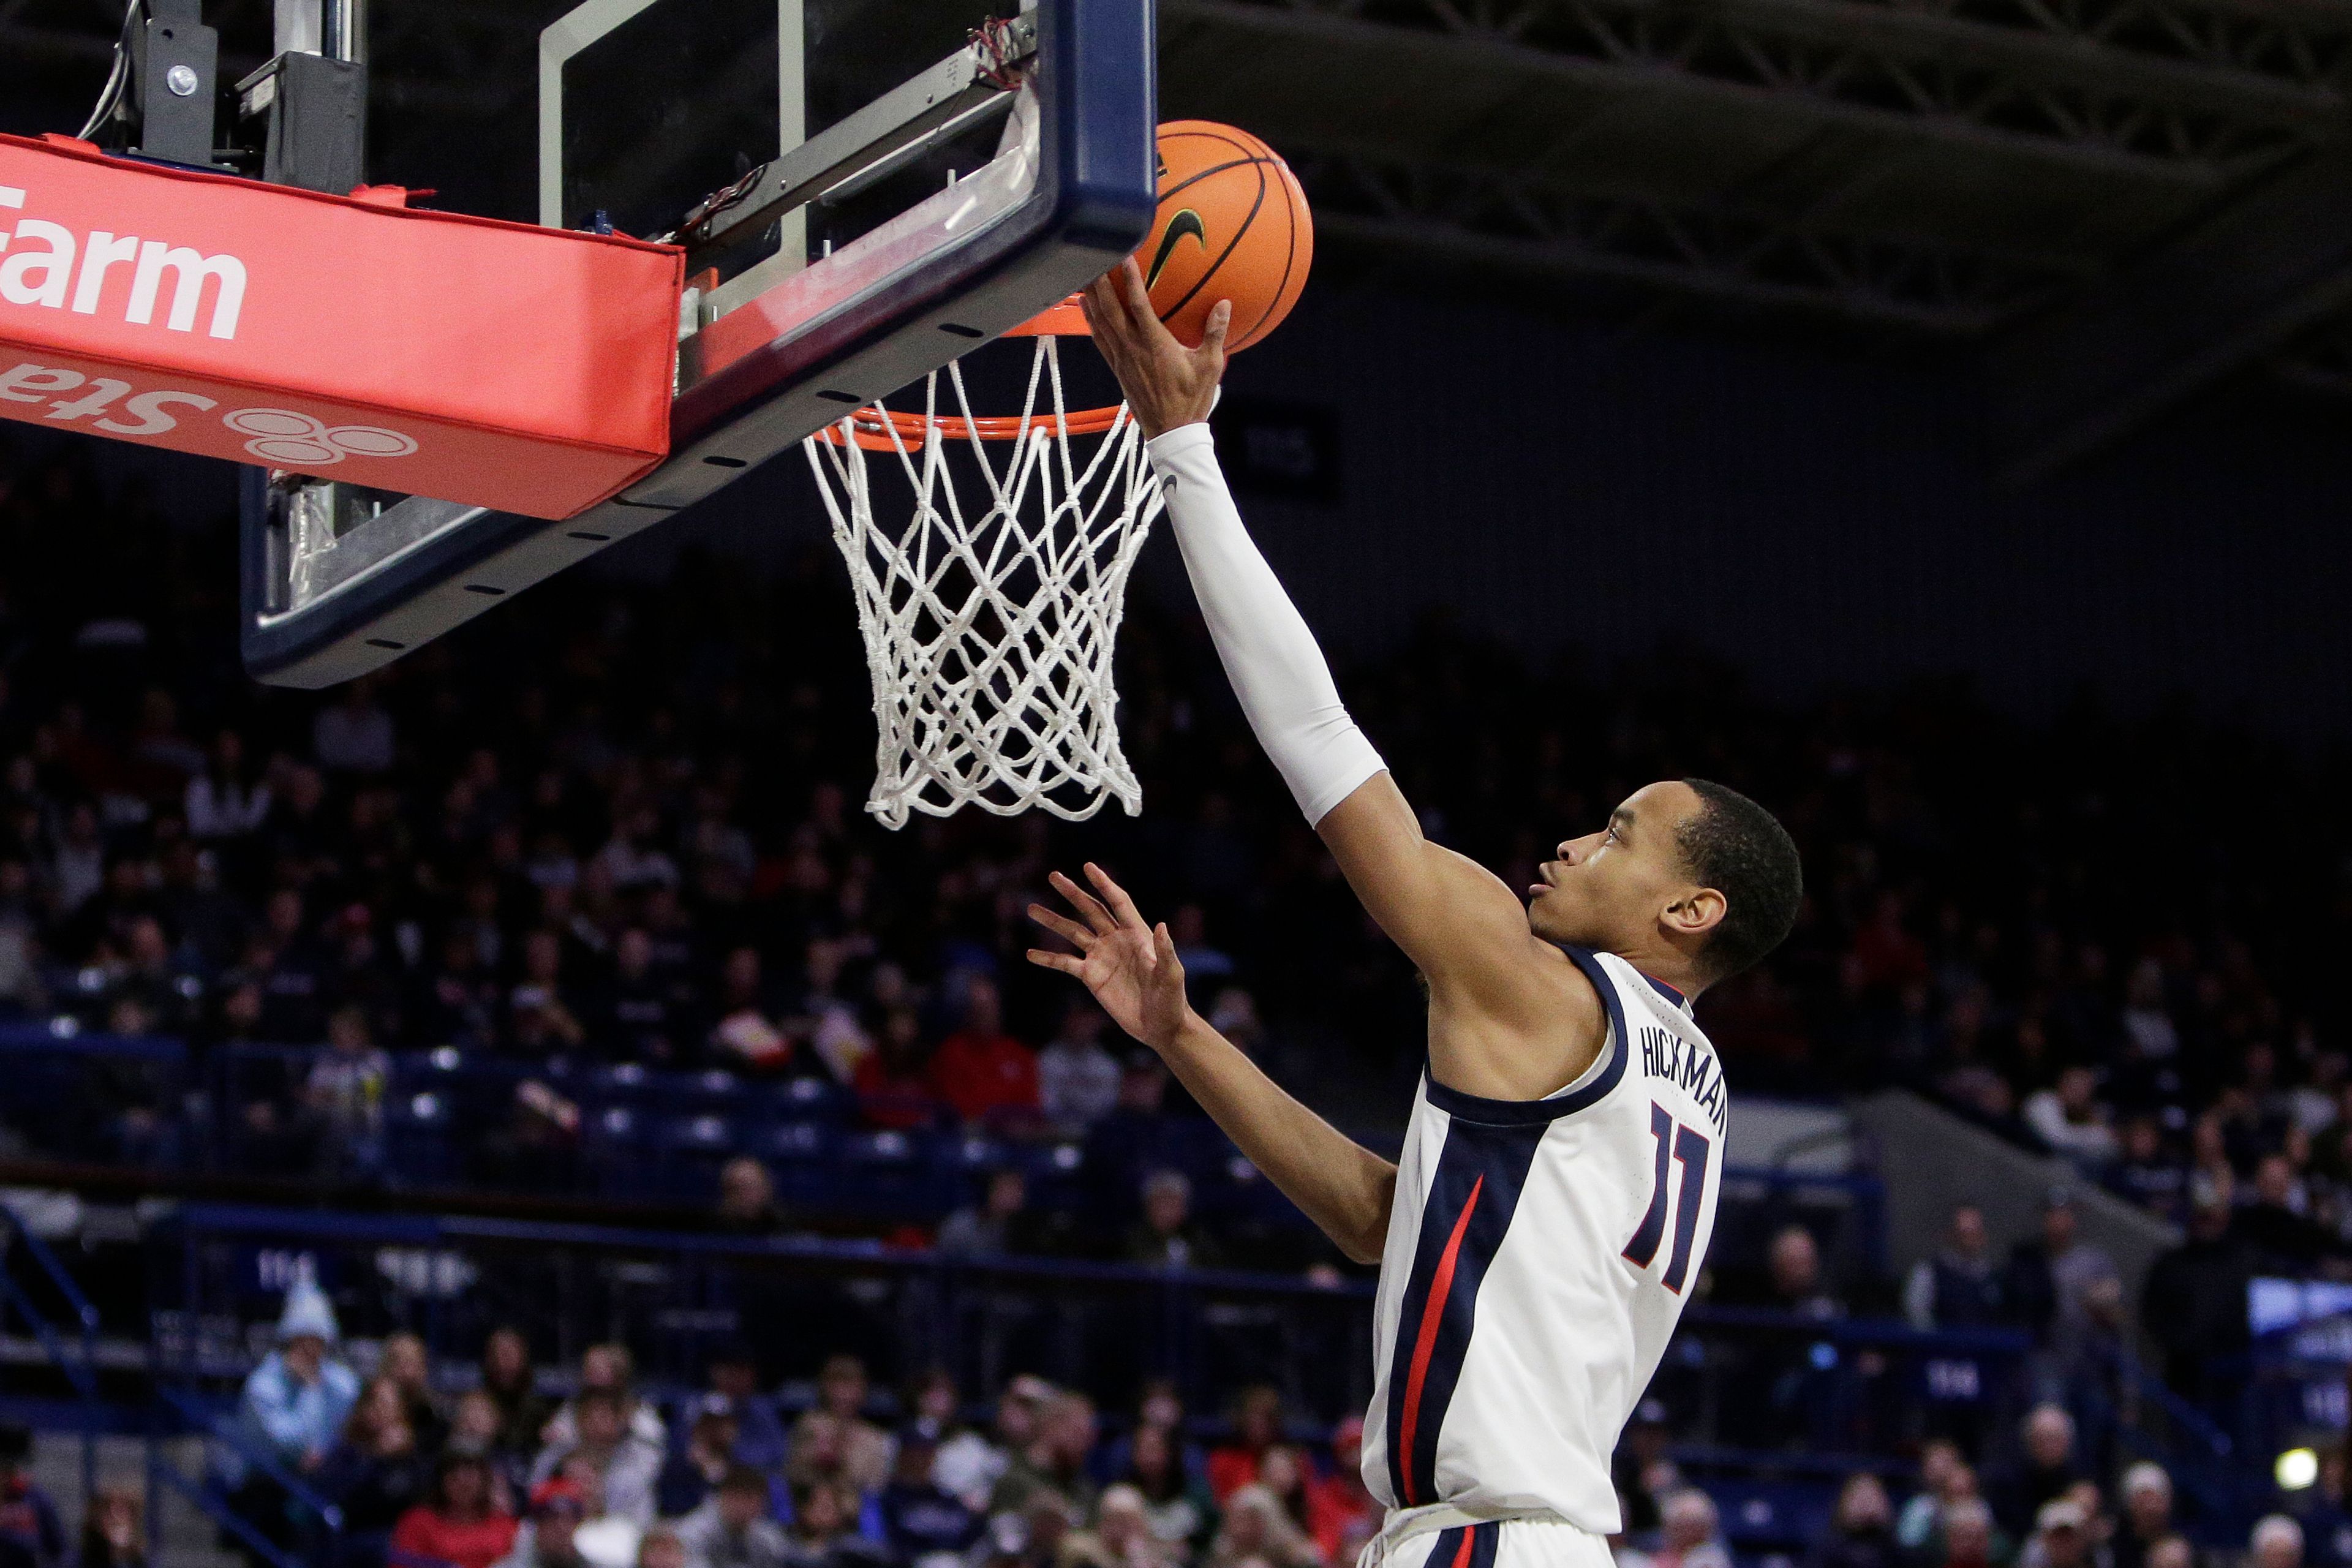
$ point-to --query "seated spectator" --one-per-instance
(548, 1539)
(29, 1521)
(1258, 1426)
(602, 1443)
(610, 1366)
(1960, 1287)
(346, 1093)
(2193, 1306)
(2064, 1536)
(894, 1081)
(747, 1036)
(1342, 1511)
(1120, 1536)
(1204, 962)
(477, 1427)
(1945, 1478)
(1282, 1471)
(1687, 1531)
(2148, 1515)
(376, 1472)
(2047, 1276)
(1971, 1539)
(824, 1525)
(734, 1376)
(293, 1404)
(1002, 1225)
(970, 1463)
(922, 1521)
(1641, 1470)
(2277, 1542)
(2071, 1122)
(634, 1015)
(2042, 1472)
(2274, 1223)
(1861, 1532)
(1256, 1528)
(1055, 1461)
(406, 1364)
(688, 1476)
(459, 1523)
(837, 1428)
(982, 1074)
(2172, 1552)
(513, 1385)
(1688, 1536)
(1177, 1506)
(114, 1531)
(1167, 1236)
(2146, 1172)
(731, 1528)
(541, 1020)
(1077, 1079)
(746, 1200)
(661, 1547)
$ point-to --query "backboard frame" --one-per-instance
(752, 383)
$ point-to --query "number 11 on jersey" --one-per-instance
(1690, 1149)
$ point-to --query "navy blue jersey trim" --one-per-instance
(1465, 1546)
(1473, 1194)
(1666, 991)
(1532, 1112)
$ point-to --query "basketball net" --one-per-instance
(990, 614)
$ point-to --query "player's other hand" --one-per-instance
(1129, 967)
(1167, 385)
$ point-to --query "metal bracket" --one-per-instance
(176, 62)
(950, 98)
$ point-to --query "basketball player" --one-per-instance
(1553, 1205)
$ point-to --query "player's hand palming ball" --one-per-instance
(1233, 224)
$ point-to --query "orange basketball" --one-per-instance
(1233, 224)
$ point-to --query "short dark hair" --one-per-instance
(1738, 849)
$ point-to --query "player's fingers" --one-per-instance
(1136, 298)
(1086, 903)
(1068, 930)
(1164, 945)
(1211, 351)
(1067, 963)
(1114, 896)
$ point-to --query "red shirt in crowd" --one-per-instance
(467, 1542)
(978, 1074)
(895, 1101)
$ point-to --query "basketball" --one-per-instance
(1233, 224)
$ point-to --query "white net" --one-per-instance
(990, 618)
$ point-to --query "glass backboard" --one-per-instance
(864, 189)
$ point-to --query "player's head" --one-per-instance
(1685, 866)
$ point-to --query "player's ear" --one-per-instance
(1695, 912)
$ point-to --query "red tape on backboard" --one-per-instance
(496, 364)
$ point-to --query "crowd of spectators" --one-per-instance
(618, 822)
(729, 1476)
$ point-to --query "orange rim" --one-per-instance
(871, 427)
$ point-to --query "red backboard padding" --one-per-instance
(493, 363)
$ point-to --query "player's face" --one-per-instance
(1608, 889)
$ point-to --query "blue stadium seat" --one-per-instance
(692, 1148)
(1777, 1515)
(799, 1154)
(888, 1174)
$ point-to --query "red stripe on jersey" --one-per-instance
(1432, 1310)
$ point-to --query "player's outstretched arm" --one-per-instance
(1458, 922)
(1133, 970)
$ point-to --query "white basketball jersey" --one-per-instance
(1539, 1256)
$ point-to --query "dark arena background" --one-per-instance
(1929, 417)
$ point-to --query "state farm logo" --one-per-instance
(281, 438)
(48, 265)
(292, 440)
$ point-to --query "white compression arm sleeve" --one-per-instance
(1271, 658)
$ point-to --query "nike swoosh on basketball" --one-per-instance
(1185, 223)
